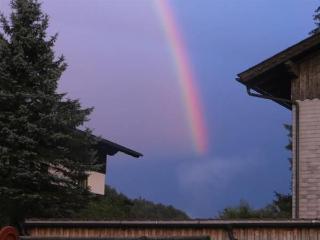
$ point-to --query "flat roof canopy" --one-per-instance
(272, 77)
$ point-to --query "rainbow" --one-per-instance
(185, 75)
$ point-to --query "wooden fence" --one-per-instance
(215, 229)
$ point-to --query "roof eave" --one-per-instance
(119, 148)
(310, 43)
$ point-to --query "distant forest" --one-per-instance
(117, 206)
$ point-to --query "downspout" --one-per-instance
(297, 153)
(297, 139)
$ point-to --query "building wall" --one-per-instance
(306, 159)
(307, 83)
(96, 182)
(294, 164)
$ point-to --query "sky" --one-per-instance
(120, 62)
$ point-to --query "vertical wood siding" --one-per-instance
(307, 85)
(215, 234)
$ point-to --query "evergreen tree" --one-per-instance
(280, 208)
(288, 127)
(43, 157)
(316, 18)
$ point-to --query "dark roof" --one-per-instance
(106, 147)
(273, 76)
(111, 148)
(274, 223)
(296, 51)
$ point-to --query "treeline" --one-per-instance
(280, 208)
(117, 206)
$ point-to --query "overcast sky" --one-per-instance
(120, 63)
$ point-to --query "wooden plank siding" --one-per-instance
(217, 230)
(307, 83)
(214, 234)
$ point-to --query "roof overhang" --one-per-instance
(272, 77)
(111, 148)
(107, 147)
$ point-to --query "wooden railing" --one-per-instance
(8, 233)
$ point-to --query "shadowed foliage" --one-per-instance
(316, 18)
(116, 206)
(280, 208)
(42, 156)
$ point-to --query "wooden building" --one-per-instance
(292, 79)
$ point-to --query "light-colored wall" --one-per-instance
(294, 163)
(96, 182)
(306, 172)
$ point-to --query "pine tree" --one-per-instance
(288, 127)
(43, 157)
(316, 18)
